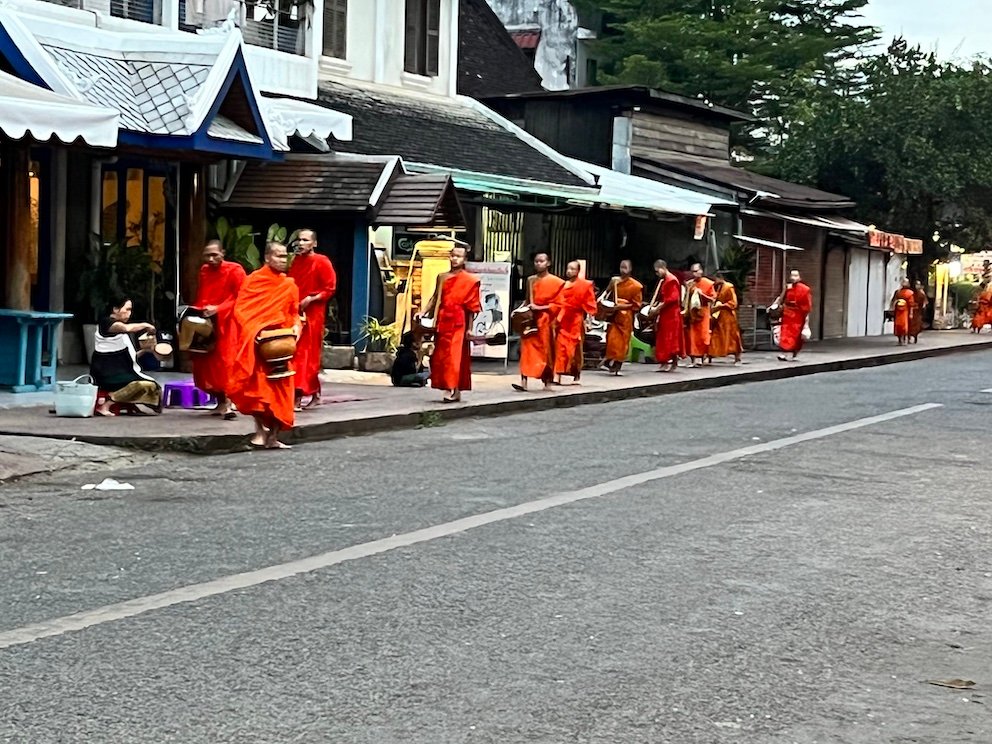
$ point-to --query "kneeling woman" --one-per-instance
(114, 366)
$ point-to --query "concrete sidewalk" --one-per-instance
(358, 403)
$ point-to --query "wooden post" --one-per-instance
(16, 160)
(192, 208)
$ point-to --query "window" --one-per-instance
(336, 28)
(423, 20)
(147, 11)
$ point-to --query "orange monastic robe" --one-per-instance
(267, 299)
(537, 350)
(984, 313)
(726, 337)
(698, 332)
(904, 313)
(916, 322)
(668, 338)
(218, 285)
(313, 274)
(622, 323)
(796, 306)
(577, 299)
(451, 362)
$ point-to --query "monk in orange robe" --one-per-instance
(916, 322)
(628, 293)
(667, 312)
(268, 299)
(796, 303)
(698, 299)
(537, 349)
(216, 291)
(726, 333)
(983, 315)
(460, 299)
(577, 300)
(903, 307)
(317, 282)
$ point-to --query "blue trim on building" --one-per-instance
(239, 70)
(16, 59)
(360, 281)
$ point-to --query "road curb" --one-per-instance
(229, 443)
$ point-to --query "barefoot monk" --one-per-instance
(456, 299)
(268, 300)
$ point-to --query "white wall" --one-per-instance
(376, 30)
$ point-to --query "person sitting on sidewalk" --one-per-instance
(114, 366)
(408, 369)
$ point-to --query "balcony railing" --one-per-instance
(146, 11)
(273, 24)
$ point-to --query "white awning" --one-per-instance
(620, 190)
(30, 109)
(768, 243)
(825, 221)
(288, 117)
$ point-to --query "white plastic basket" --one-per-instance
(75, 399)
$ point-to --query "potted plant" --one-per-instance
(380, 349)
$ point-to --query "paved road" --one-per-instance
(789, 570)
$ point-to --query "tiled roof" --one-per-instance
(223, 128)
(151, 96)
(442, 132)
(489, 63)
(526, 39)
(312, 183)
(723, 173)
(427, 200)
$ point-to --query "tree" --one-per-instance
(754, 55)
(908, 140)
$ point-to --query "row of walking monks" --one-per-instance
(241, 307)
(697, 321)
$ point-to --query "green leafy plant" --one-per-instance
(380, 336)
(114, 270)
(737, 264)
(239, 243)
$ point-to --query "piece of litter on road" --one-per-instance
(755, 439)
(738, 612)
(41, 573)
(954, 684)
(108, 484)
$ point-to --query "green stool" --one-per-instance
(639, 351)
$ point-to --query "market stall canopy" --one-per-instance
(620, 190)
(512, 189)
(290, 117)
(29, 109)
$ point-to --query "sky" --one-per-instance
(955, 28)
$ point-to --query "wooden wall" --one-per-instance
(670, 133)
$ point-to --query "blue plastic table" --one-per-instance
(24, 337)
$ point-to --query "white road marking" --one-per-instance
(225, 584)
(988, 390)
